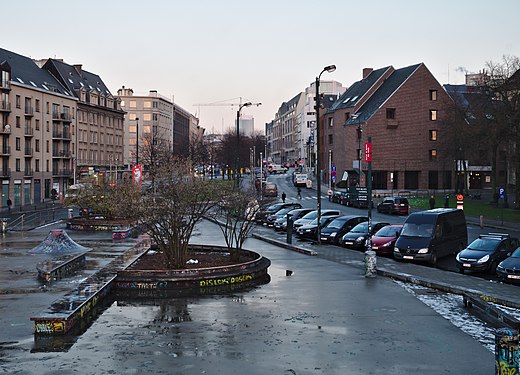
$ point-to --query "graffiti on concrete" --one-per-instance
(49, 326)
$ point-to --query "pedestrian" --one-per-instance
(9, 204)
(432, 202)
(283, 197)
(299, 193)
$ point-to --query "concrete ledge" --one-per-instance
(285, 245)
(61, 267)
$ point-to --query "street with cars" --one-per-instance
(441, 230)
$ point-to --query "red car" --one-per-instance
(384, 239)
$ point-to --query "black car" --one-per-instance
(509, 269)
(306, 219)
(357, 237)
(278, 214)
(486, 252)
(262, 215)
(394, 205)
(339, 226)
(310, 231)
(281, 223)
(337, 196)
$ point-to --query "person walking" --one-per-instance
(432, 202)
(283, 197)
(299, 193)
(9, 204)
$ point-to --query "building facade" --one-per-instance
(404, 113)
(37, 131)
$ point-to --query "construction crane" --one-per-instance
(224, 103)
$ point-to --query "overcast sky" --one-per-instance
(266, 51)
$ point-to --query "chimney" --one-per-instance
(366, 72)
(153, 93)
(78, 68)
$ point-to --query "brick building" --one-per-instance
(404, 112)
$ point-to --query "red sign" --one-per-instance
(368, 151)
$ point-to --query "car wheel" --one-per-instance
(493, 267)
(433, 259)
(461, 271)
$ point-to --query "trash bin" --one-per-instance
(4, 224)
(70, 213)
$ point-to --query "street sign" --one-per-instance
(502, 192)
(368, 152)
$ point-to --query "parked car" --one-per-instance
(333, 232)
(313, 215)
(509, 269)
(394, 205)
(486, 252)
(262, 214)
(310, 231)
(270, 190)
(270, 220)
(383, 240)
(357, 237)
(337, 196)
(276, 168)
(432, 234)
(281, 223)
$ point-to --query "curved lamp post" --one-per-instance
(237, 159)
(328, 69)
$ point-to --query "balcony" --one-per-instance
(62, 172)
(5, 106)
(5, 84)
(28, 131)
(56, 116)
(28, 151)
(5, 129)
(61, 154)
(5, 150)
(6, 172)
(61, 135)
(29, 111)
(66, 117)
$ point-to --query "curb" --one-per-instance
(285, 245)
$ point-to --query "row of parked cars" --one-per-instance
(425, 236)
(343, 230)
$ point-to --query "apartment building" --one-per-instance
(37, 129)
(97, 130)
(405, 113)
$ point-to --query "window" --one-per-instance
(18, 101)
(433, 114)
(133, 104)
(37, 124)
(18, 165)
(146, 129)
(132, 129)
(433, 135)
(37, 105)
(132, 116)
(47, 146)
(347, 116)
(147, 104)
(147, 117)
(37, 145)
(331, 139)
(433, 155)
(17, 121)
(331, 121)
(48, 107)
(390, 113)
(433, 95)
(48, 126)
(37, 165)
(18, 144)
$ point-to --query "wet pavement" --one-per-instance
(325, 318)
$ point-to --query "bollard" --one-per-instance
(447, 201)
(481, 221)
(370, 260)
(3, 224)
(507, 354)
(70, 213)
(289, 228)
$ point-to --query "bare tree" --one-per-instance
(234, 214)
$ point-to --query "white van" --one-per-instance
(276, 168)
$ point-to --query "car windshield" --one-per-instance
(274, 207)
(516, 253)
(322, 221)
(283, 211)
(417, 230)
(388, 231)
(311, 215)
(483, 244)
(360, 228)
(337, 223)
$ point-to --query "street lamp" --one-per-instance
(137, 141)
(328, 69)
(237, 159)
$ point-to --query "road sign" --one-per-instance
(460, 201)
(502, 192)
